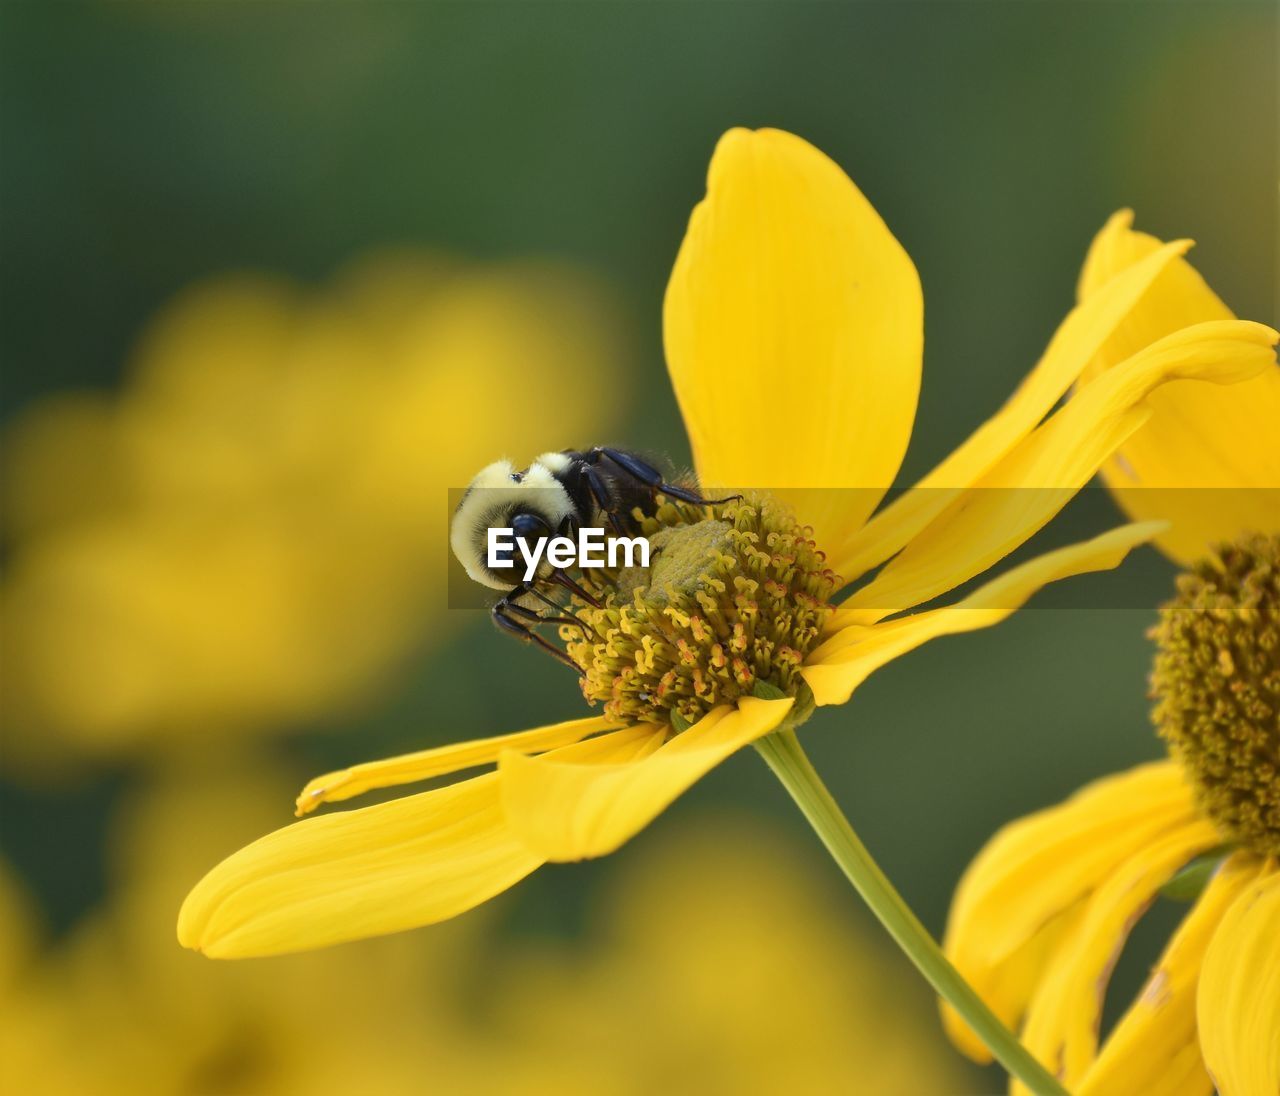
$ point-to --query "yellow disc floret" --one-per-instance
(1217, 687)
(734, 598)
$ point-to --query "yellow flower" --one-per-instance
(239, 542)
(793, 326)
(112, 1007)
(1042, 913)
(105, 1010)
(1208, 461)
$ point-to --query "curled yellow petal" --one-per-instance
(424, 764)
(1007, 987)
(1086, 330)
(1238, 1001)
(1206, 459)
(851, 654)
(1154, 1049)
(1065, 1011)
(582, 802)
(1032, 874)
(792, 305)
(359, 873)
(1041, 474)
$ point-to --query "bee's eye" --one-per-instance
(505, 555)
(529, 526)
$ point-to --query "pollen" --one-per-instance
(734, 597)
(1216, 684)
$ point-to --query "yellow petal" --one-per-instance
(1034, 871)
(1086, 330)
(345, 876)
(405, 769)
(1154, 1048)
(1182, 296)
(1065, 1012)
(1198, 438)
(1007, 987)
(1239, 996)
(581, 802)
(1041, 474)
(794, 330)
(843, 661)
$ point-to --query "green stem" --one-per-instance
(781, 750)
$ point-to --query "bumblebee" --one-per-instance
(559, 493)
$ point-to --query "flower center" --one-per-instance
(734, 598)
(1217, 686)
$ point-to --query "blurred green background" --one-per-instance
(149, 148)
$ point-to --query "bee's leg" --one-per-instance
(536, 618)
(568, 528)
(550, 603)
(522, 633)
(685, 495)
(573, 622)
(601, 496)
(501, 613)
(647, 474)
(560, 578)
(525, 524)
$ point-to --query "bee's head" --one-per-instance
(496, 499)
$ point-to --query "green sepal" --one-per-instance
(764, 690)
(1186, 884)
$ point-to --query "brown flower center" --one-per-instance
(1217, 686)
(734, 598)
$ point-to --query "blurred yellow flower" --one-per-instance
(688, 984)
(793, 325)
(254, 531)
(634, 1008)
(105, 1010)
(1042, 913)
